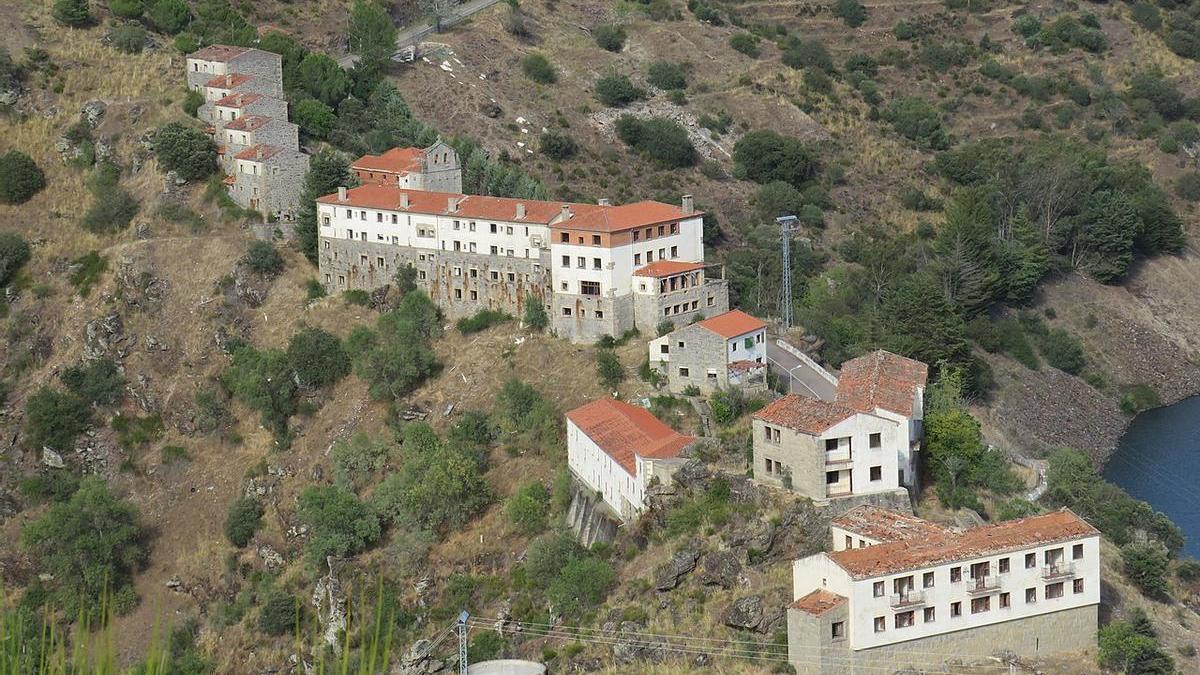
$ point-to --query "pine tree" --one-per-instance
(74, 13)
(328, 171)
(1026, 259)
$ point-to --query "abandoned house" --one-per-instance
(914, 595)
(587, 263)
(618, 450)
(435, 168)
(207, 67)
(264, 179)
(251, 130)
(721, 352)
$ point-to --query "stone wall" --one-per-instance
(812, 650)
(802, 457)
(284, 187)
(649, 309)
(702, 350)
(583, 325)
(267, 69)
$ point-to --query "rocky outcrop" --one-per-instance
(720, 568)
(632, 647)
(679, 566)
(330, 602)
(105, 336)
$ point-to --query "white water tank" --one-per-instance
(506, 667)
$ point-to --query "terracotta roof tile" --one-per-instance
(229, 80)
(625, 431)
(804, 414)
(237, 100)
(884, 525)
(923, 552)
(744, 366)
(259, 153)
(881, 380)
(625, 217)
(818, 602)
(219, 53)
(665, 268)
(396, 160)
(249, 123)
(731, 324)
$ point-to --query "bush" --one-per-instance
(746, 43)
(765, 156)
(396, 357)
(1187, 186)
(14, 253)
(537, 68)
(1027, 25)
(1130, 647)
(264, 380)
(1062, 350)
(129, 38)
(262, 259)
(659, 138)
(112, 209)
(1146, 15)
(666, 75)
(87, 272)
(125, 9)
(74, 13)
(20, 177)
(169, 16)
(357, 460)
(535, 314)
(98, 382)
(481, 320)
(1138, 397)
(917, 120)
(617, 91)
(317, 357)
(1146, 567)
(527, 508)
(807, 54)
(610, 37)
(850, 11)
(558, 146)
(280, 614)
(609, 368)
(339, 524)
(1188, 570)
(243, 520)
(54, 419)
(314, 118)
(189, 152)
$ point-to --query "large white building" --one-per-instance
(585, 262)
(912, 594)
(617, 449)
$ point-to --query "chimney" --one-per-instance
(258, 152)
(566, 212)
(605, 201)
(229, 80)
(341, 194)
(238, 100)
(404, 200)
(520, 210)
(688, 205)
(452, 204)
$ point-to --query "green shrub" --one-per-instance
(171, 454)
(1146, 15)
(481, 320)
(125, 9)
(1187, 186)
(14, 253)
(314, 118)
(74, 13)
(339, 524)
(851, 12)
(280, 614)
(665, 326)
(317, 357)
(129, 38)
(243, 520)
(918, 121)
(396, 357)
(357, 296)
(537, 68)
(313, 290)
(20, 177)
(799, 53)
(610, 37)
(659, 138)
(263, 259)
(1131, 647)
(357, 460)
(1188, 570)
(264, 381)
(617, 91)
(746, 43)
(54, 419)
(169, 16)
(609, 368)
(1062, 350)
(666, 75)
(134, 432)
(764, 156)
(187, 151)
(112, 209)
(705, 12)
(534, 315)
(527, 508)
(1146, 567)
(97, 382)
(1026, 25)
(557, 146)
(1138, 397)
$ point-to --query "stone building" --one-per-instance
(251, 130)
(435, 168)
(912, 595)
(225, 111)
(721, 352)
(264, 179)
(618, 449)
(866, 441)
(582, 261)
(205, 65)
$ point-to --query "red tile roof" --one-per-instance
(881, 380)
(396, 160)
(229, 80)
(732, 324)
(624, 431)
(220, 53)
(237, 100)
(249, 123)
(804, 414)
(259, 153)
(745, 365)
(666, 268)
(377, 196)
(884, 525)
(625, 217)
(818, 602)
(924, 552)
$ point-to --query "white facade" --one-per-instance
(620, 490)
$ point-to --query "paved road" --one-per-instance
(412, 35)
(804, 379)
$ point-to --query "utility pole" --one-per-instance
(787, 225)
(461, 625)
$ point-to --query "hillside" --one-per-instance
(180, 444)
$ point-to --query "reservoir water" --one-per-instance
(1158, 460)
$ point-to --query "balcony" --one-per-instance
(838, 457)
(907, 600)
(984, 585)
(1058, 571)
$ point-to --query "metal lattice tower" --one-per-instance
(787, 225)
(461, 625)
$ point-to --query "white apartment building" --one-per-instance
(924, 595)
(722, 351)
(473, 252)
(616, 449)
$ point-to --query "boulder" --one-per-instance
(745, 613)
(720, 568)
(683, 562)
(330, 601)
(103, 337)
(52, 459)
(693, 474)
(93, 112)
(632, 647)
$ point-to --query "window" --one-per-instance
(880, 624)
(955, 609)
(831, 477)
(674, 228)
(1004, 566)
(379, 262)
(649, 256)
(599, 314)
(683, 372)
(362, 215)
(1077, 586)
(955, 575)
(662, 229)
(595, 240)
(589, 288)
(930, 614)
(581, 262)
(983, 604)
(508, 230)
(831, 444)
(876, 473)
(1054, 590)
(565, 237)
(637, 235)
(566, 311)
(849, 539)
(904, 619)
(379, 216)
(596, 263)
(458, 294)
(1030, 561)
(566, 258)
(837, 630)
(927, 580)
(1005, 601)
(877, 589)
(674, 251)
(325, 220)
(1076, 551)
(494, 228)
(711, 301)
(875, 441)
(637, 260)
(1030, 596)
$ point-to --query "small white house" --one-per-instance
(617, 449)
(720, 352)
